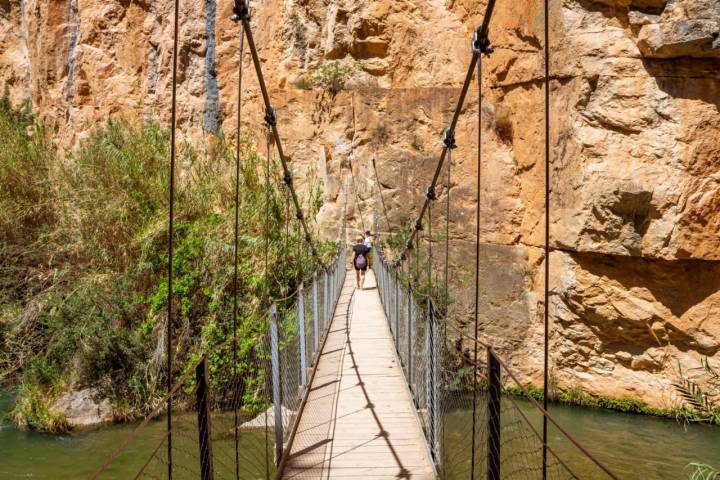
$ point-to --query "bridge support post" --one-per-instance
(383, 297)
(203, 413)
(386, 303)
(301, 333)
(276, 388)
(326, 302)
(432, 386)
(396, 281)
(409, 340)
(493, 408)
(316, 332)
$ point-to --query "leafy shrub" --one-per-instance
(331, 76)
(26, 157)
(304, 82)
(100, 311)
(32, 410)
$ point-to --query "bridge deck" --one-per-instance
(359, 420)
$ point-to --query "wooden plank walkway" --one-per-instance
(359, 420)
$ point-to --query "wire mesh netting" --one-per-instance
(225, 419)
(455, 406)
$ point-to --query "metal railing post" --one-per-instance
(397, 312)
(493, 407)
(391, 302)
(276, 387)
(431, 381)
(326, 301)
(203, 413)
(409, 338)
(383, 299)
(301, 332)
(316, 332)
(331, 279)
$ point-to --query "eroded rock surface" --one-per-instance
(84, 408)
(635, 124)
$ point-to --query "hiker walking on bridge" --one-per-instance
(368, 242)
(360, 261)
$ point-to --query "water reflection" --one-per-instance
(633, 446)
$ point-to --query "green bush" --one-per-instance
(100, 309)
(304, 83)
(32, 410)
(26, 157)
(331, 76)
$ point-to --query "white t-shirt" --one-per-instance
(368, 242)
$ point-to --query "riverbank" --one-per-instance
(575, 397)
(633, 446)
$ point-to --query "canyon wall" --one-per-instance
(635, 128)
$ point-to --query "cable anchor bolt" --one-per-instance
(270, 119)
(481, 43)
(430, 193)
(241, 11)
(448, 139)
(288, 178)
(418, 226)
(300, 215)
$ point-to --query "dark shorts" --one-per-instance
(364, 269)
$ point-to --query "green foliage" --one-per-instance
(702, 471)
(415, 267)
(702, 400)
(32, 410)
(575, 396)
(26, 158)
(331, 76)
(304, 83)
(98, 314)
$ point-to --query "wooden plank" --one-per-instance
(359, 420)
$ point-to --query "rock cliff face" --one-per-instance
(635, 203)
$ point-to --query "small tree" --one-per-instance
(332, 76)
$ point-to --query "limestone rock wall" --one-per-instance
(635, 122)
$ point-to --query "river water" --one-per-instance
(633, 446)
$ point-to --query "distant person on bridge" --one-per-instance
(360, 261)
(368, 242)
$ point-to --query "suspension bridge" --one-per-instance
(350, 383)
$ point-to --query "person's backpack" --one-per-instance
(361, 261)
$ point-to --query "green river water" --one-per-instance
(633, 446)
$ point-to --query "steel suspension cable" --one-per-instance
(546, 306)
(236, 239)
(286, 251)
(242, 13)
(266, 239)
(356, 197)
(481, 45)
(299, 253)
(341, 230)
(477, 268)
(266, 286)
(447, 233)
(379, 189)
(429, 263)
(171, 233)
